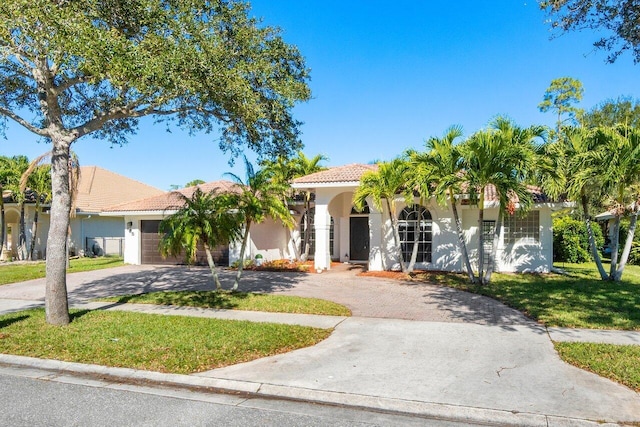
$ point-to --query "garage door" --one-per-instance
(151, 254)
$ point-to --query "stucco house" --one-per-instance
(343, 234)
(91, 232)
(340, 233)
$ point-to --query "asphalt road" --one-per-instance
(36, 402)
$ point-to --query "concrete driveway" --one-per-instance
(407, 346)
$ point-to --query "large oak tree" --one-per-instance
(617, 20)
(72, 68)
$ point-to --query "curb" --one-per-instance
(427, 410)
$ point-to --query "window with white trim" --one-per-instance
(415, 219)
(522, 229)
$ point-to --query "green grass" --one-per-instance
(578, 300)
(19, 272)
(237, 301)
(619, 363)
(174, 344)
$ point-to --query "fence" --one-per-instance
(100, 246)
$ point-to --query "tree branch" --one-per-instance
(23, 122)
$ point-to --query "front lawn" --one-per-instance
(172, 344)
(237, 301)
(13, 272)
(619, 363)
(576, 300)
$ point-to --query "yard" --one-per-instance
(12, 272)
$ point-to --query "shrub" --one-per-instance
(571, 241)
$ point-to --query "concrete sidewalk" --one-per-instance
(450, 355)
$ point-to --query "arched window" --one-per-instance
(414, 223)
(312, 235)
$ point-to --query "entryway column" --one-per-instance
(376, 251)
(322, 256)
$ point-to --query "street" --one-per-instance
(65, 402)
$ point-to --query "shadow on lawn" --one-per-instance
(11, 320)
(179, 278)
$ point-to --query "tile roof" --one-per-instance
(170, 200)
(353, 173)
(99, 188)
(346, 173)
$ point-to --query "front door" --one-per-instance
(359, 239)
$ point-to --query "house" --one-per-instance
(91, 232)
(119, 215)
(344, 234)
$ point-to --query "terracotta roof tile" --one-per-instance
(170, 200)
(99, 188)
(347, 173)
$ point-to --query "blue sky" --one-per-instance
(384, 77)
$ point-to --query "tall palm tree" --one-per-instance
(303, 165)
(385, 185)
(502, 157)
(579, 178)
(282, 171)
(615, 157)
(14, 168)
(441, 166)
(201, 218)
(37, 179)
(257, 197)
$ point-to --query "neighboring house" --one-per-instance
(343, 234)
(91, 232)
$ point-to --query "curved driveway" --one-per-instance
(365, 296)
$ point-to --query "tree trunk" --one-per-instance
(292, 241)
(494, 247)
(56, 303)
(22, 237)
(592, 239)
(461, 241)
(396, 236)
(245, 238)
(615, 245)
(481, 237)
(34, 232)
(212, 266)
(627, 245)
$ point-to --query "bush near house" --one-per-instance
(571, 241)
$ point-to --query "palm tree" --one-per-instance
(14, 167)
(441, 167)
(386, 184)
(282, 171)
(614, 159)
(202, 218)
(303, 165)
(502, 157)
(257, 198)
(579, 177)
(37, 179)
